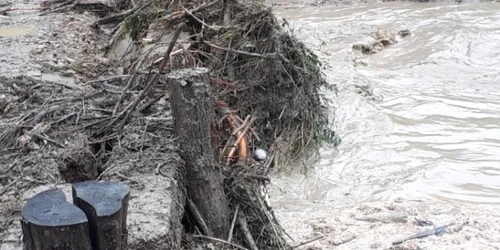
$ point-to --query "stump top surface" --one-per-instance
(106, 197)
(187, 72)
(50, 208)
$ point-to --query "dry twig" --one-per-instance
(199, 217)
(307, 242)
(59, 8)
(265, 56)
(120, 16)
(166, 57)
(242, 142)
(236, 211)
(6, 188)
(219, 240)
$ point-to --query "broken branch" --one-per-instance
(265, 56)
(120, 16)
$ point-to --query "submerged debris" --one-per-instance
(386, 217)
(381, 39)
(404, 33)
(438, 231)
(423, 222)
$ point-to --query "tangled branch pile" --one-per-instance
(258, 69)
(267, 90)
(260, 72)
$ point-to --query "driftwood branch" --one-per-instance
(199, 218)
(120, 16)
(242, 222)
(241, 136)
(265, 56)
(155, 80)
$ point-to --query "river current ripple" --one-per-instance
(432, 126)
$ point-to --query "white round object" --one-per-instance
(260, 154)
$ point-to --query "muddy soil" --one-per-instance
(47, 98)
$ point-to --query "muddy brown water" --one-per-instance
(429, 130)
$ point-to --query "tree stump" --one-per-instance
(106, 205)
(49, 222)
(193, 112)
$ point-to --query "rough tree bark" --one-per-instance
(49, 222)
(193, 111)
(96, 220)
(106, 205)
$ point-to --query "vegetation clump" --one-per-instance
(258, 68)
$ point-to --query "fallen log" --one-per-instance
(120, 16)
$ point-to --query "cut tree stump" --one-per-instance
(49, 222)
(106, 205)
(193, 112)
(97, 219)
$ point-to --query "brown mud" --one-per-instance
(50, 116)
(402, 122)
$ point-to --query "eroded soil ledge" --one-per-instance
(75, 105)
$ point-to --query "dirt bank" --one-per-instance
(50, 114)
(70, 113)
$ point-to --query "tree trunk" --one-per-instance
(49, 222)
(106, 205)
(193, 112)
(95, 221)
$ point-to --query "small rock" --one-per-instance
(34, 74)
(386, 217)
(343, 238)
(457, 227)
(260, 154)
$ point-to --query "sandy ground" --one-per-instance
(56, 54)
(376, 225)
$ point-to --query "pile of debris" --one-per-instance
(380, 40)
(266, 88)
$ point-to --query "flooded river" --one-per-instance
(427, 125)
